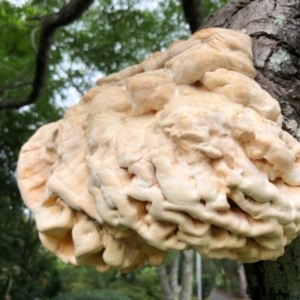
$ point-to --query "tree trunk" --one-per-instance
(274, 26)
(164, 282)
(170, 272)
(243, 281)
(187, 275)
(276, 280)
(168, 278)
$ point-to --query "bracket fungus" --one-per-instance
(183, 151)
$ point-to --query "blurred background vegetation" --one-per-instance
(111, 35)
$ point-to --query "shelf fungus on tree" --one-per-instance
(183, 151)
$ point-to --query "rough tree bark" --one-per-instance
(274, 26)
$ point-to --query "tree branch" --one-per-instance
(194, 13)
(15, 86)
(68, 14)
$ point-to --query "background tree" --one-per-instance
(176, 275)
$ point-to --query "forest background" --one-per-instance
(109, 36)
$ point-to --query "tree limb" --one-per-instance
(194, 13)
(68, 14)
(15, 86)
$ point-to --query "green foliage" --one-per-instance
(147, 277)
(91, 295)
(78, 278)
(131, 290)
(208, 284)
(142, 283)
(21, 255)
(4, 291)
(224, 282)
(113, 35)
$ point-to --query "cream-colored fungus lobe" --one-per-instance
(183, 151)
